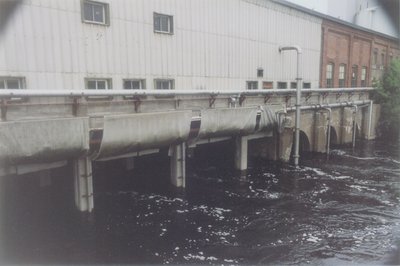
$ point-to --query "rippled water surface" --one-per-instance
(342, 211)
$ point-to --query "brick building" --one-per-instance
(352, 56)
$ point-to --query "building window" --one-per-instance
(268, 85)
(12, 83)
(98, 84)
(163, 23)
(260, 73)
(354, 76)
(364, 77)
(375, 63)
(293, 85)
(252, 85)
(307, 85)
(282, 85)
(329, 75)
(134, 84)
(164, 84)
(95, 12)
(382, 59)
(342, 76)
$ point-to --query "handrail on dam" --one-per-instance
(88, 93)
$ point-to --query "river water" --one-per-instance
(341, 211)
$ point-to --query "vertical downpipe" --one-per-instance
(354, 126)
(371, 106)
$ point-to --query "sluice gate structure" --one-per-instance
(44, 130)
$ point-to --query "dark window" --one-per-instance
(329, 75)
(252, 85)
(95, 12)
(11, 83)
(260, 73)
(354, 76)
(342, 76)
(164, 84)
(293, 85)
(364, 77)
(307, 85)
(282, 85)
(375, 57)
(98, 84)
(163, 23)
(134, 84)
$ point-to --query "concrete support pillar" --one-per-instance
(285, 144)
(241, 149)
(320, 133)
(346, 128)
(178, 165)
(83, 183)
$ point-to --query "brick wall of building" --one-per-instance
(363, 55)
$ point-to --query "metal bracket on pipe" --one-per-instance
(75, 106)
(211, 101)
(338, 95)
(350, 95)
(268, 97)
(3, 109)
(241, 99)
(287, 99)
(137, 102)
(308, 96)
(324, 95)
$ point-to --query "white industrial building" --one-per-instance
(156, 44)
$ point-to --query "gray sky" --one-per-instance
(317, 5)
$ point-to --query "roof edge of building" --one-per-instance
(328, 17)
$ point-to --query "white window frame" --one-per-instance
(142, 84)
(329, 74)
(105, 9)
(252, 85)
(342, 75)
(97, 80)
(170, 23)
(5, 80)
(170, 82)
(364, 76)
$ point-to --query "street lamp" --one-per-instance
(297, 48)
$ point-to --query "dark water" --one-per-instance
(327, 213)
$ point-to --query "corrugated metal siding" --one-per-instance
(215, 45)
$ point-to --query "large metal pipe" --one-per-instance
(296, 48)
(88, 93)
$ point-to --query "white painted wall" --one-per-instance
(217, 44)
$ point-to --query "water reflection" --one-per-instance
(337, 212)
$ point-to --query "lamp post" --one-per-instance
(297, 48)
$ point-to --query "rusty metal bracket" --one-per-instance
(267, 98)
(324, 95)
(137, 102)
(338, 95)
(211, 101)
(308, 96)
(287, 98)
(241, 99)
(3, 109)
(75, 106)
